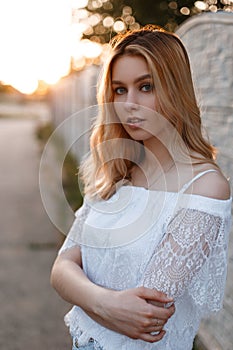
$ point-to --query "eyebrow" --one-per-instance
(142, 77)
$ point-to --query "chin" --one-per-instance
(138, 134)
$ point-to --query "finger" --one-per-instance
(163, 305)
(152, 338)
(156, 325)
(162, 313)
(158, 322)
(154, 329)
(153, 294)
(156, 303)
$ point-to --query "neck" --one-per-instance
(156, 154)
(156, 164)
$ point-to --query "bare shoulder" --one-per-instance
(212, 185)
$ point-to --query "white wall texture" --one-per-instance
(209, 41)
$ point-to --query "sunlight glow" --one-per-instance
(201, 5)
(119, 26)
(185, 11)
(89, 49)
(108, 21)
(79, 3)
(36, 42)
(127, 10)
(93, 20)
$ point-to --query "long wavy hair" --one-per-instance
(112, 151)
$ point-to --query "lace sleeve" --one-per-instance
(193, 257)
(73, 237)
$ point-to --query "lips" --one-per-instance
(134, 122)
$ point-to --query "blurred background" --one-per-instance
(51, 55)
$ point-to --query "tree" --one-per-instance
(112, 16)
(100, 20)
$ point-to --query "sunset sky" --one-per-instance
(35, 40)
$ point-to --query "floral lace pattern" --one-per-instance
(183, 254)
(194, 249)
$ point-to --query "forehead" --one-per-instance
(129, 66)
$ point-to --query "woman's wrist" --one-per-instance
(102, 301)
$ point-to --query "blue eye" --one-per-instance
(120, 91)
(146, 87)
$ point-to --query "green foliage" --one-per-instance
(70, 182)
(165, 13)
(43, 132)
(69, 170)
(115, 10)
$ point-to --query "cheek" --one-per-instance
(150, 102)
(119, 109)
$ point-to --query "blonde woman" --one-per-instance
(146, 257)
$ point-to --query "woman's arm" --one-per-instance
(194, 239)
(127, 312)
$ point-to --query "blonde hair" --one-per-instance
(169, 65)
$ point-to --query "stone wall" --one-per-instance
(73, 107)
(209, 41)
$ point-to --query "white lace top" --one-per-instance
(173, 242)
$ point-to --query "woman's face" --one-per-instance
(134, 96)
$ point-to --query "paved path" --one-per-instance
(31, 316)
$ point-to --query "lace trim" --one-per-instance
(84, 328)
(194, 249)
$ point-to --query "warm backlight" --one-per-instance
(35, 42)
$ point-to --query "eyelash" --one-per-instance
(147, 84)
(116, 90)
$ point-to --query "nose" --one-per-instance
(131, 101)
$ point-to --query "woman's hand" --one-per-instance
(139, 313)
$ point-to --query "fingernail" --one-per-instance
(167, 305)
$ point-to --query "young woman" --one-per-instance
(146, 256)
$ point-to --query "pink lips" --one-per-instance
(134, 122)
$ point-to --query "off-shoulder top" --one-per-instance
(170, 241)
